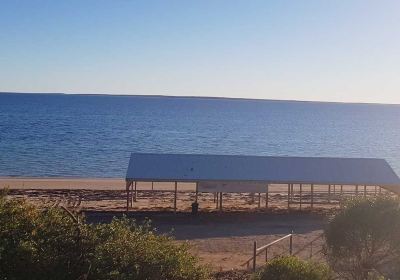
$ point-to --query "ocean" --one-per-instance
(93, 135)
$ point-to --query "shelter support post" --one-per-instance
(128, 185)
(152, 190)
(220, 201)
(312, 196)
(135, 198)
(175, 195)
(301, 193)
(197, 192)
(329, 194)
(131, 194)
(341, 196)
(291, 193)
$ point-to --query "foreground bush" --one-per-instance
(363, 240)
(52, 244)
(128, 251)
(292, 268)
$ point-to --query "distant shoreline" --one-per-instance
(200, 97)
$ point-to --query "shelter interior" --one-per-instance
(179, 196)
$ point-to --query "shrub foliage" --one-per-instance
(292, 268)
(363, 240)
(52, 244)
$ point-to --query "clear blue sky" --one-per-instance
(305, 50)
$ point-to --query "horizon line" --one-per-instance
(199, 97)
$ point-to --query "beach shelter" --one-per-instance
(253, 174)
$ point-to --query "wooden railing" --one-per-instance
(258, 251)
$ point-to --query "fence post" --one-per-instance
(266, 255)
(254, 255)
(291, 243)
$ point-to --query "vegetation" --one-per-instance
(54, 244)
(363, 240)
(292, 268)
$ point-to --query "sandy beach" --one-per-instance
(109, 194)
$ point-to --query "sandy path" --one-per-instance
(225, 240)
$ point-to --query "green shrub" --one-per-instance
(42, 244)
(128, 251)
(292, 268)
(363, 240)
(52, 244)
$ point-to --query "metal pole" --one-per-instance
(220, 201)
(128, 184)
(254, 255)
(312, 196)
(175, 195)
(291, 193)
(341, 196)
(329, 194)
(197, 192)
(291, 243)
(301, 192)
(132, 194)
(135, 199)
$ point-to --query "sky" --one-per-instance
(342, 50)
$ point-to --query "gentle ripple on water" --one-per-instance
(92, 136)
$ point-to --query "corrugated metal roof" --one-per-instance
(307, 170)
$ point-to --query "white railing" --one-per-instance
(258, 251)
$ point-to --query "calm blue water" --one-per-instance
(93, 136)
